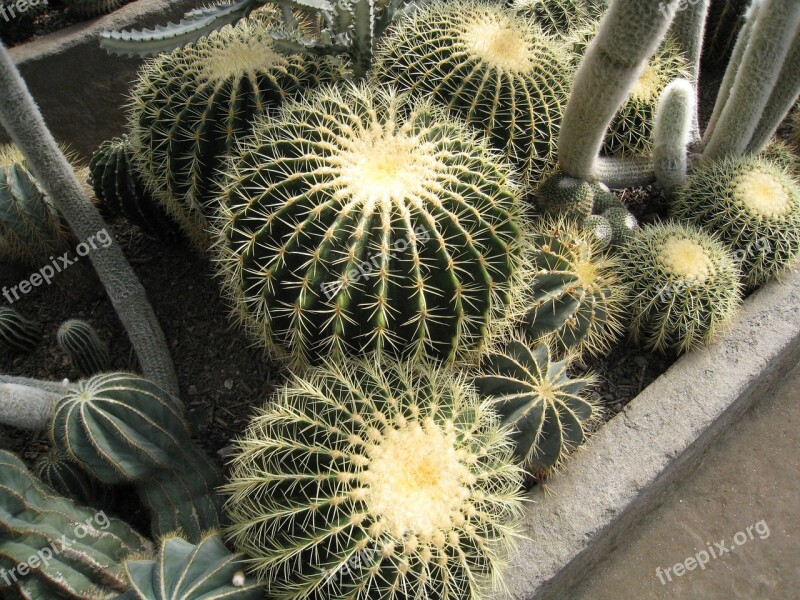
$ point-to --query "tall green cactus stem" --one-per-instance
(17, 333)
(673, 133)
(189, 109)
(688, 30)
(494, 69)
(185, 571)
(67, 478)
(88, 353)
(22, 120)
(561, 17)
(753, 205)
(774, 32)
(387, 480)
(724, 25)
(684, 286)
(396, 230)
(77, 551)
(629, 35)
(535, 396)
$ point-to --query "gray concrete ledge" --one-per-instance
(633, 461)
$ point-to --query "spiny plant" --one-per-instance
(121, 192)
(190, 107)
(684, 286)
(17, 333)
(561, 17)
(563, 195)
(546, 408)
(577, 299)
(185, 571)
(78, 551)
(88, 9)
(491, 67)
(784, 155)
(31, 229)
(723, 25)
(598, 227)
(364, 479)
(66, 477)
(121, 428)
(363, 220)
(623, 225)
(753, 205)
(87, 352)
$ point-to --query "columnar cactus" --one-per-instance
(190, 107)
(561, 17)
(17, 333)
(67, 478)
(753, 205)
(380, 480)
(672, 133)
(51, 548)
(494, 69)
(725, 21)
(396, 229)
(185, 571)
(684, 286)
(88, 353)
(535, 396)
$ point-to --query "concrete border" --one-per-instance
(634, 461)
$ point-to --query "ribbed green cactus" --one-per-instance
(120, 190)
(67, 478)
(30, 228)
(384, 480)
(576, 300)
(724, 22)
(684, 286)
(190, 107)
(753, 205)
(495, 70)
(564, 195)
(88, 353)
(535, 396)
(561, 17)
(396, 229)
(784, 155)
(184, 571)
(599, 228)
(17, 333)
(623, 225)
(53, 549)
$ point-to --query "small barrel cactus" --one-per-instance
(17, 333)
(604, 199)
(185, 571)
(120, 190)
(396, 229)
(67, 478)
(540, 402)
(599, 228)
(88, 353)
(753, 205)
(53, 549)
(783, 154)
(623, 225)
(564, 195)
(684, 286)
(577, 299)
(379, 480)
(497, 71)
(561, 17)
(190, 107)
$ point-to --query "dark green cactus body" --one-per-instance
(623, 225)
(84, 549)
(67, 478)
(544, 407)
(724, 22)
(561, 17)
(564, 195)
(184, 571)
(82, 343)
(17, 333)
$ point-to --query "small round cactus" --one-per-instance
(385, 480)
(67, 478)
(17, 333)
(396, 229)
(753, 205)
(604, 199)
(684, 286)
(564, 195)
(784, 155)
(599, 228)
(190, 107)
(561, 17)
(494, 69)
(88, 353)
(623, 225)
(535, 396)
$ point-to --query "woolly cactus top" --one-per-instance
(686, 258)
(763, 193)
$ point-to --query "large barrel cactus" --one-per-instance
(190, 106)
(561, 17)
(490, 66)
(375, 480)
(360, 220)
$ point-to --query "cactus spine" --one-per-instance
(88, 353)
(17, 333)
(561, 17)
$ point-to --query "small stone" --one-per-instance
(228, 384)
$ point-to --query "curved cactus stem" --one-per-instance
(57, 387)
(26, 407)
(624, 172)
(673, 133)
(21, 118)
(629, 35)
(774, 30)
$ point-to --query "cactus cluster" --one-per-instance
(497, 71)
(383, 480)
(535, 396)
(190, 107)
(87, 352)
(396, 229)
(17, 333)
(753, 205)
(684, 286)
(66, 477)
(53, 549)
(561, 17)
